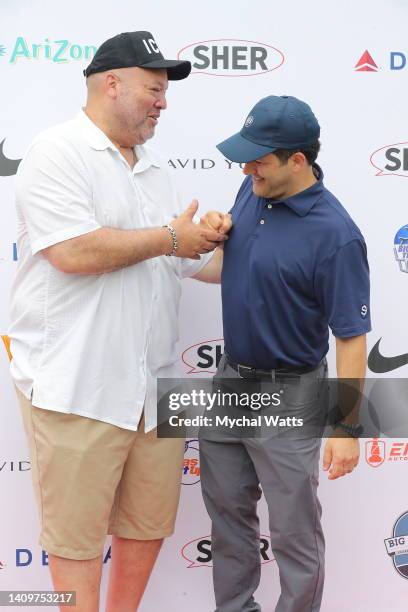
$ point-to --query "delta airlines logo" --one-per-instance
(231, 57)
(366, 63)
(396, 60)
(375, 452)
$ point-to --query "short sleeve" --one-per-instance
(342, 286)
(54, 195)
(190, 267)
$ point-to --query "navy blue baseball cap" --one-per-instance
(131, 49)
(275, 122)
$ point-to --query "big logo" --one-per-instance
(198, 552)
(204, 357)
(231, 57)
(397, 545)
(391, 160)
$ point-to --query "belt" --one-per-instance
(256, 373)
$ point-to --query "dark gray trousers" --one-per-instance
(233, 470)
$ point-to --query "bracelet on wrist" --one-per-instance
(173, 234)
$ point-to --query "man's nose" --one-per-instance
(249, 168)
(161, 102)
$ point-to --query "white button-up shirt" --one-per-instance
(93, 345)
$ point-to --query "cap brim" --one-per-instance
(176, 70)
(239, 149)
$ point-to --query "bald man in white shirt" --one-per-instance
(94, 322)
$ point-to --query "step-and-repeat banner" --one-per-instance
(348, 60)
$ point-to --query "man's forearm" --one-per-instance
(351, 359)
(108, 249)
(211, 273)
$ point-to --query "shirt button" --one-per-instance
(270, 206)
(262, 221)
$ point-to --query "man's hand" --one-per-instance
(222, 222)
(195, 238)
(341, 455)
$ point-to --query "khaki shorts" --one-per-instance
(92, 479)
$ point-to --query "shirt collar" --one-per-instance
(99, 141)
(301, 203)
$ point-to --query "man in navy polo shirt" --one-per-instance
(294, 266)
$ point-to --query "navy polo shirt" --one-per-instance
(292, 269)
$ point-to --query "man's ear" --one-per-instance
(298, 161)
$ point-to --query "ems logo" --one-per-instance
(204, 357)
(198, 552)
(191, 463)
(231, 57)
(2, 50)
(366, 63)
(364, 310)
(375, 452)
(249, 121)
(397, 546)
(401, 248)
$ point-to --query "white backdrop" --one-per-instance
(310, 50)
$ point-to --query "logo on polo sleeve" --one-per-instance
(249, 121)
(364, 311)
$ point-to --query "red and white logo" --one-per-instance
(198, 552)
(375, 452)
(366, 63)
(204, 357)
(230, 57)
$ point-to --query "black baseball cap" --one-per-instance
(131, 49)
(275, 122)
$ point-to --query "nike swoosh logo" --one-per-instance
(380, 364)
(8, 167)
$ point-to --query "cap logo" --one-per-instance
(151, 46)
(249, 121)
